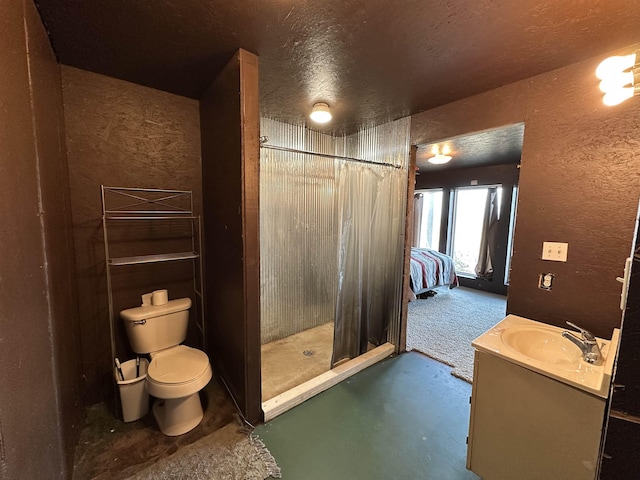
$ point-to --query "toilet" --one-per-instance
(176, 373)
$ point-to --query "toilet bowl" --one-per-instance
(174, 378)
(177, 372)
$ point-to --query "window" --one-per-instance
(468, 214)
(430, 218)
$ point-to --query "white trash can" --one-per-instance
(133, 394)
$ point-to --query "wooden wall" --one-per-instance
(125, 135)
(40, 405)
(230, 181)
(579, 183)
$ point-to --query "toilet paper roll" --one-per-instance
(159, 297)
(146, 299)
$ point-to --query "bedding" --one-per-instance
(430, 269)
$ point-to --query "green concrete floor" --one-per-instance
(403, 418)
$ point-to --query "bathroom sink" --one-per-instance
(542, 348)
(544, 345)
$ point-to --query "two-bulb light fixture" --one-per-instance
(619, 78)
(440, 157)
(320, 113)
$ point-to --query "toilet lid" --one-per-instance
(178, 364)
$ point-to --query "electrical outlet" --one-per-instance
(555, 251)
(545, 281)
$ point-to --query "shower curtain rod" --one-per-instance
(325, 155)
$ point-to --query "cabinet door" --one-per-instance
(530, 427)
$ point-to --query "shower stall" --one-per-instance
(332, 224)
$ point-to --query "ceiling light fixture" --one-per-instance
(320, 113)
(439, 158)
(618, 78)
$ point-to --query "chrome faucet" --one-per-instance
(587, 344)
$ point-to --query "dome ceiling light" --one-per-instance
(440, 157)
(320, 113)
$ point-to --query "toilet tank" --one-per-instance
(155, 327)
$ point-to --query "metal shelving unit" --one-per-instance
(164, 257)
(146, 205)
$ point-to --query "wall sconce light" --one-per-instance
(320, 113)
(439, 158)
(618, 78)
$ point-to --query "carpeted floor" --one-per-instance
(444, 325)
(229, 453)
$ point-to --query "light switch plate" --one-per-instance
(555, 251)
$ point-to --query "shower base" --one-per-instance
(298, 394)
(293, 360)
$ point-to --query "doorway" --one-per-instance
(468, 211)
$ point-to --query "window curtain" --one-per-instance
(484, 267)
(418, 205)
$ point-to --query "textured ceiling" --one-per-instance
(371, 60)
(490, 147)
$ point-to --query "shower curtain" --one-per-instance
(370, 217)
(362, 303)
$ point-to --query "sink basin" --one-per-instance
(544, 345)
(542, 348)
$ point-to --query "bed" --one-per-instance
(431, 269)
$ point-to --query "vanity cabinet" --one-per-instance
(527, 426)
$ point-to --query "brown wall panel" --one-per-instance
(46, 88)
(250, 122)
(125, 135)
(621, 460)
(39, 397)
(230, 129)
(620, 455)
(24, 322)
(579, 184)
(496, 108)
(626, 396)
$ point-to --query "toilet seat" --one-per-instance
(178, 372)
